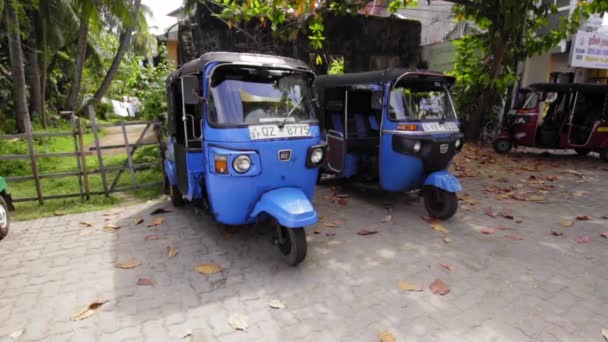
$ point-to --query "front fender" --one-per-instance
(289, 206)
(170, 172)
(443, 180)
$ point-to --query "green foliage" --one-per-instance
(336, 67)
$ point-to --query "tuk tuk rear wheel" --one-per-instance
(439, 203)
(503, 146)
(604, 155)
(5, 221)
(177, 199)
(294, 246)
(582, 151)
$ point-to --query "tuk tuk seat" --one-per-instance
(336, 121)
(373, 123)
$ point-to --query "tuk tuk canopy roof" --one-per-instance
(378, 77)
(569, 87)
(196, 66)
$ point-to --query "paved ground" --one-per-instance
(540, 288)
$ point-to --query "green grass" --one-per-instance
(66, 185)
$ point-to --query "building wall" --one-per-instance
(440, 57)
(172, 51)
(365, 42)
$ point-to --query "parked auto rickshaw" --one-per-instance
(558, 116)
(6, 205)
(395, 127)
(244, 142)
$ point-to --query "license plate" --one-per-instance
(273, 131)
(438, 127)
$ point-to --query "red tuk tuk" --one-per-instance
(558, 116)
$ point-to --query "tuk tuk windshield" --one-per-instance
(526, 99)
(244, 95)
(429, 101)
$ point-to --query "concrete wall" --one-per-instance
(440, 57)
(365, 42)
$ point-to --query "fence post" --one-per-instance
(158, 129)
(83, 159)
(102, 169)
(75, 136)
(128, 149)
(30, 147)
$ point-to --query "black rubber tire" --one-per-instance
(4, 230)
(503, 146)
(439, 203)
(294, 249)
(177, 199)
(582, 151)
(604, 155)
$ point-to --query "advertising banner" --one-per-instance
(589, 50)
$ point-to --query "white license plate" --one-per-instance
(438, 127)
(273, 131)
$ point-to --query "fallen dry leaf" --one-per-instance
(491, 212)
(239, 321)
(157, 221)
(208, 268)
(161, 211)
(567, 224)
(446, 240)
(583, 218)
(507, 213)
(316, 231)
(514, 236)
(388, 217)
(110, 227)
(277, 304)
(330, 234)
(557, 233)
(429, 219)
(503, 228)
(145, 282)
(404, 285)
(583, 239)
(387, 336)
(16, 334)
(536, 198)
(604, 235)
(439, 228)
(439, 287)
(171, 252)
(446, 267)
(330, 224)
(367, 232)
(151, 237)
(342, 201)
(188, 333)
(605, 217)
(605, 334)
(86, 224)
(487, 230)
(88, 310)
(139, 221)
(128, 264)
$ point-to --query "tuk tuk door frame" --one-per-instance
(595, 124)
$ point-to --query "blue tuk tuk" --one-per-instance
(395, 127)
(244, 143)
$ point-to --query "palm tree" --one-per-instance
(16, 61)
(87, 10)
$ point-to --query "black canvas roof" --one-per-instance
(376, 77)
(196, 66)
(569, 87)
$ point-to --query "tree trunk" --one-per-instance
(125, 42)
(43, 74)
(34, 74)
(17, 70)
(83, 34)
(485, 99)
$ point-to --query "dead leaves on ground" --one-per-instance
(239, 321)
(110, 227)
(277, 304)
(88, 310)
(128, 264)
(86, 224)
(439, 287)
(567, 224)
(145, 282)
(387, 336)
(487, 231)
(208, 268)
(583, 218)
(514, 236)
(157, 221)
(406, 286)
(439, 228)
(161, 211)
(367, 232)
(388, 217)
(151, 237)
(583, 239)
(171, 252)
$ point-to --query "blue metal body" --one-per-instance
(281, 189)
(398, 171)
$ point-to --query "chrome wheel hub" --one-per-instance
(3, 217)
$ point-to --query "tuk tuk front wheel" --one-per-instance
(604, 155)
(503, 146)
(439, 203)
(177, 199)
(4, 218)
(292, 244)
(582, 151)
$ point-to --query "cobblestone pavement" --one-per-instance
(540, 288)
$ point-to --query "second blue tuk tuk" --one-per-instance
(244, 143)
(395, 127)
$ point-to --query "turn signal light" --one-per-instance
(221, 164)
(407, 127)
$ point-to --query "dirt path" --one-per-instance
(114, 136)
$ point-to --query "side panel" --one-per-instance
(290, 206)
(443, 180)
(195, 174)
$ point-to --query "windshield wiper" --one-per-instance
(282, 124)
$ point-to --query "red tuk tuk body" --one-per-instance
(558, 116)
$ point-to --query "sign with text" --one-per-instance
(589, 50)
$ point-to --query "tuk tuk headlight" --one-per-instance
(458, 143)
(417, 146)
(316, 155)
(241, 164)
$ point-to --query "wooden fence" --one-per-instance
(80, 153)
